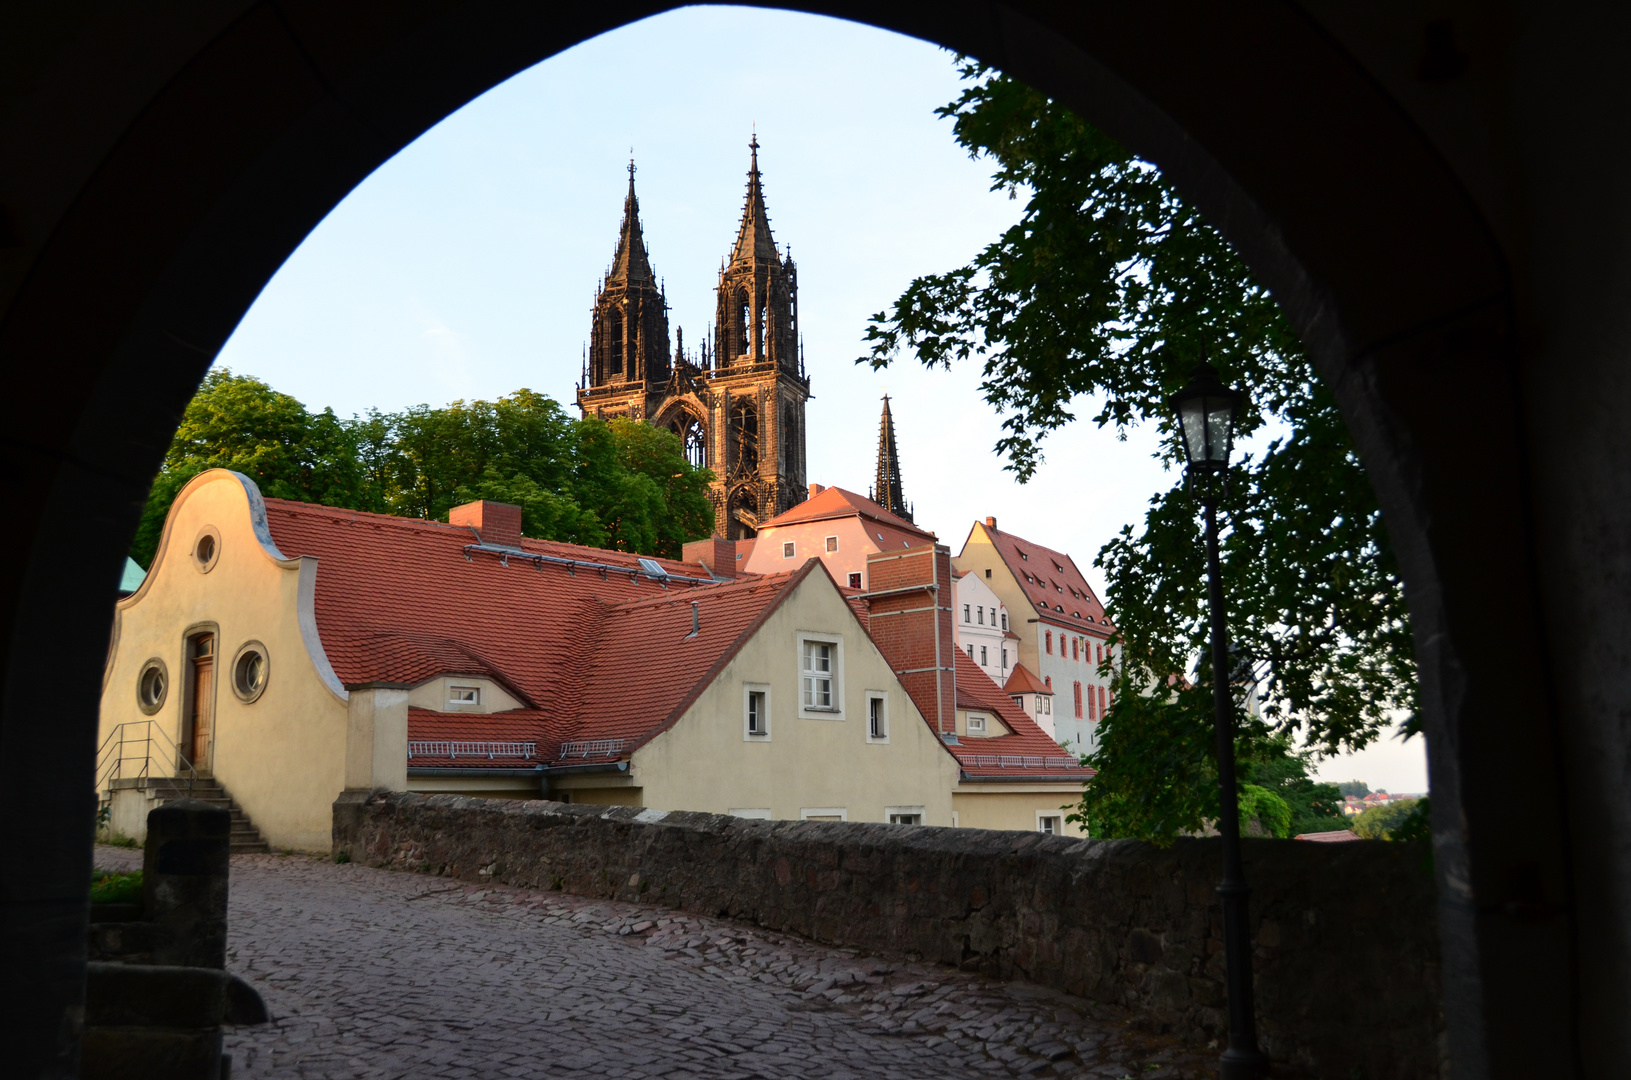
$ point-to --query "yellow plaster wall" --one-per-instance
(283, 756)
(704, 762)
(977, 809)
(612, 796)
(480, 787)
(433, 695)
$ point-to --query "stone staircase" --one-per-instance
(246, 839)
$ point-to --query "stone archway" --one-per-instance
(1392, 178)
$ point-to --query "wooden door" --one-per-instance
(201, 700)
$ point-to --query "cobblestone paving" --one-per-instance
(370, 973)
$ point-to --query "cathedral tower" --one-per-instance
(738, 405)
(628, 340)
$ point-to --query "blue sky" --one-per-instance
(465, 266)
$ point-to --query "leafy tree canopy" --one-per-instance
(1111, 288)
(1357, 788)
(624, 485)
(1391, 821)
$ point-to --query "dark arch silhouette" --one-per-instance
(1398, 184)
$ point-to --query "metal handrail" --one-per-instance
(458, 749)
(1020, 761)
(592, 748)
(121, 746)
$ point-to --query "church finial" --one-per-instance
(887, 487)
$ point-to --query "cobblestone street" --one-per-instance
(370, 973)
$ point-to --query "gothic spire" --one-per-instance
(753, 239)
(887, 492)
(630, 265)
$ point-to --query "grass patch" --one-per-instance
(113, 839)
(108, 887)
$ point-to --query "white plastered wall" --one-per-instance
(283, 756)
(705, 762)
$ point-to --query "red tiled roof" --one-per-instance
(465, 740)
(836, 502)
(1027, 752)
(399, 601)
(647, 667)
(1023, 682)
(1052, 583)
(1336, 836)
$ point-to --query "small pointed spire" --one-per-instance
(887, 489)
(753, 239)
(632, 263)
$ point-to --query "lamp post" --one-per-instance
(1206, 414)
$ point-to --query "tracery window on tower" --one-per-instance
(744, 342)
(744, 432)
(614, 342)
(694, 437)
(744, 512)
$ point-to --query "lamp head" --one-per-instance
(1206, 417)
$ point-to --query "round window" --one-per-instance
(152, 685)
(249, 670)
(207, 549)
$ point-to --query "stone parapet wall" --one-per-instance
(1346, 934)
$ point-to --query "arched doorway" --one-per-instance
(174, 163)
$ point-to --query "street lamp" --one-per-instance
(1206, 415)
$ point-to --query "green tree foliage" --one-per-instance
(1392, 821)
(623, 485)
(1111, 287)
(1357, 788)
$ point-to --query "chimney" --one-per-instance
(816, 489)
(909, 615)
(991, 523)
(719, 556)
(496, 523)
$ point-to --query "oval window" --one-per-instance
(249, 671)
(206, 549)
(152, 685)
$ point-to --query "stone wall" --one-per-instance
(1346, 934)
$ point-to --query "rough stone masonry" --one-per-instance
(1346, 955)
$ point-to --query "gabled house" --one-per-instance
(1063, 630)
(292, 652)
(836, 526)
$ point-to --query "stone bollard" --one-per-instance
(184, 882)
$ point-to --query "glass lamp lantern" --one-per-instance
(1206, 416)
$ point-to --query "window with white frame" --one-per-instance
(1005, 620)
(979, 614)
(832, 543)
(977, 724)
(756, 813)
(463, 695)
(788, 550)
(823, 813)
(1053, 824)
(756, 711)
(855, 580)
(965, 612)
(877, 716)
(903, 815)
(982, 654)
(820, 675)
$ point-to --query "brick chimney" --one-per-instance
(497, 523)
(910, 619)
(816, 489)
(991, 523)
(718, 555)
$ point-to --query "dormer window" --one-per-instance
(976, 724)
(463, 695)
